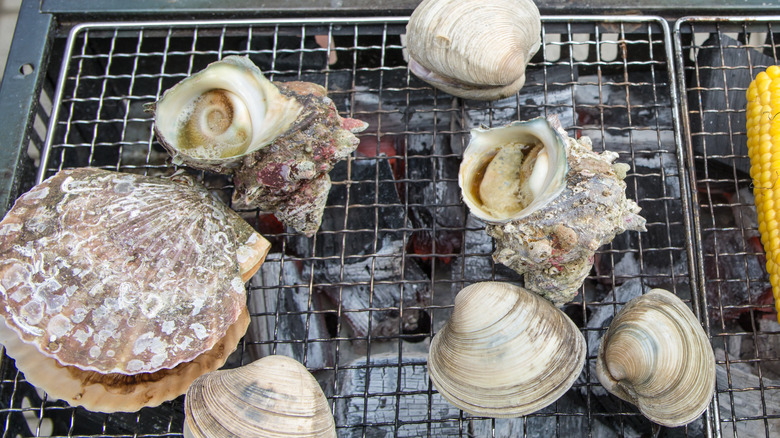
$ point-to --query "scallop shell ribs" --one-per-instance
(120, 274)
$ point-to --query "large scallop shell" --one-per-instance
(553, 201)
(656, 355)
(273, 396)
(120, 274)
(278, 140)
(476, 49)
(505, 352)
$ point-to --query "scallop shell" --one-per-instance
(656, 355)
(278, 140)
(559, 202)
(120, 274)
(273, 396)
(505, 352)
(476, 49)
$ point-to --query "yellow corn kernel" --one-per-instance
(763, 141)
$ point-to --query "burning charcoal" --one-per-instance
(477, 261)
(736, 277)
(723, 77)
(375, 279)
(740, 396)
(282, 316)
(374, 395)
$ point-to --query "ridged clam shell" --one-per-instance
(123, 274)
(272, 397)
(476, 49)
(505, 352)
(656, 355)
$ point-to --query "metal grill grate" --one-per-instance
(717, 59)
(359, 302)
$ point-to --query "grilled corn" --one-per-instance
(763, 142)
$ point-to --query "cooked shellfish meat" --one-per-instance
(116, 274)
(278, 140)
(548, 200)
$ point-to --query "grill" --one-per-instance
(358, 303)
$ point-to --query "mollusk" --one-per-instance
(273, 396)
(505, 352)
(117, 290)
(548, 200)
(476, 49)
(656, 355)
(278, 140)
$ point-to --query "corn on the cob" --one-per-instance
(763, 142)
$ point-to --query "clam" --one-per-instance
(505, 352)
(273, 396)
(476, 49)
(656, 355)
(548, 200)
(278, 140)
(117, 290)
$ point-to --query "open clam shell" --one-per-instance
(549, 201)
(505, 352)
(273, 396)
(120, 276)
(656, 355)
(278, 140)
(474, 49)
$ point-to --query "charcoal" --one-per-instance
(375, 279)
(283, 321)
(717, 106)
(742, 403)
(549, 88)
(374, 395)
(477, 261)
(735, 272)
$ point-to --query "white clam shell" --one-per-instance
(475, 49)
(486, 143)
(505, 352)
(656, 355)
(274, 396)
(222, 113)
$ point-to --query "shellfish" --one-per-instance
(273, 396)
(505, 352)
(656, 355)
(125, 286)
(278, 140)
(475, 49)
(548, 200)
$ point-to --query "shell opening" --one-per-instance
(509, 172)
(215, 125)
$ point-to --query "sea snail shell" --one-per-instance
(656, 355)
(476, 49)
(505, 352)
(275, 396)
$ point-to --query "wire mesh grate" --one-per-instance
(717, 59)
(358, 303)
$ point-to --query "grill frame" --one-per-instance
(683, 157)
